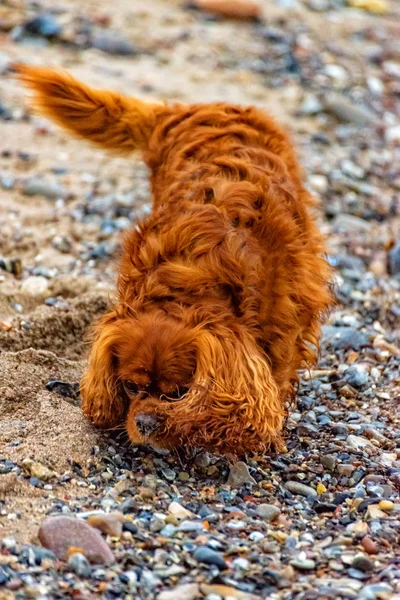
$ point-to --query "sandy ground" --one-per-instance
(181, 57)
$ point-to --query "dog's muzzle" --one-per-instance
(147, 424)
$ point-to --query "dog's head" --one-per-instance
(178, 385)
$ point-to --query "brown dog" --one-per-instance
(221, 290)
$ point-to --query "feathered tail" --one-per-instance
(108, 119)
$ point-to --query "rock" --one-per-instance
(108, 523)
(357, 442)
(394, 258)
(295, 487)
(311, 106)
(79, 564)
(337, 73)
(202, 460)
(344, 338)
(225, 591)
(11, 265)
(374, 434)
(179, 511)
(356, 376)
(62, 243)
(67, 390)
(146, 493)
(369, 545)
(376, 591)
(374, 512)
(378, 7)
(392, 134)
(187, 526)
(37, 187)
(328, 461)
(236, 9)
(113, 43)
(208, 556)
(268, 512)
(305, 564)
(36, 469)
(339, 429)
(188, 591)
(345, 470)
(35, 285)
(386, 505)
(324, 507)
(362, 563)
(44, 25)
(156, 524)
(345, 110)
(59, 534)
(239, 475)
(129, 505)
(349, 223)
(169, 474)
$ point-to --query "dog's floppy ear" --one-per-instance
(101, 401)
(108, 119)
(237, 405)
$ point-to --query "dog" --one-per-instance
(221, 291)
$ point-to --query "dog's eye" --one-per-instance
(177, 393)
(131, 387)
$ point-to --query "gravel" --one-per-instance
(82, 514)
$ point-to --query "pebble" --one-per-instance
(374, 512)
(305, 564)
(44, 25)
(394, 255)
(344, 338)
(11, 265)
(189, 591)
(35, 285)
(65, 389)
(295, 487)
(386, 505)
(179, 511)
(79, 564)
(226, 592)
(169, 474)
(268, 512)
(37, 187)
(329, 461)
(312, 106)
(357, 442)
(369, 545)
(36, 469)
(236, 9)
(59, 534)
(345, 470)
(112, 43)
(347, 111)
(108, 523)
(206, 555)
(362, 563)
(356, 376)
(239, 475)
(376, 591)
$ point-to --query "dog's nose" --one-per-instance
(146, 424)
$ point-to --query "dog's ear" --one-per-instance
(106, 118)
(101, 401)
(242, 406)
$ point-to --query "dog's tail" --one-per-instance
(108, 119)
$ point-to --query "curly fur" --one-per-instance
(221, 289)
